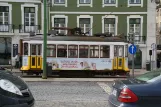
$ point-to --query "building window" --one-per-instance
(4, 15)
(29, 16)
(134, 1)
(84, 1)
(60, 22)
(94, 51)
(135, 25)
(51, 50)
(83, 51)
(59, 1)
(104, 51)
(109, 1)
(62, 51)
(72, 51)
(110, 25)
(85, 25)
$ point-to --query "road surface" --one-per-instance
(70, 94)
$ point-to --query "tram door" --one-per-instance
(36, 56)
(118, 57)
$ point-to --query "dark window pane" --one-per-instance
(4, 9)
(59, 20)
(135, 21)
(109, 20)
(84, 20)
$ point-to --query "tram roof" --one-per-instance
(76, 38)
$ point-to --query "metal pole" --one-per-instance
(133, 65)
(44, 76)
(152, 60)
(133, 38)
(150, 63)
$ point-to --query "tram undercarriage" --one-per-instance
(78, 73)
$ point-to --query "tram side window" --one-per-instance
(94, 51)
(104, 51)
(25, 48)
(83, 51)
(62, 51)
(73, 51)
(51, 50)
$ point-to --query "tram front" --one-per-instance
(31, 58)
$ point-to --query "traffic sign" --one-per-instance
(153, 46)
(132, 49)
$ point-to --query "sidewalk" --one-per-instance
(137, 72)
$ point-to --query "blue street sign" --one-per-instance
(132, 49)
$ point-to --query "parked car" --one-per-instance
(14, 92)
(141, 91)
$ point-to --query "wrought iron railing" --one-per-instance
(28, 29)
(7, 28)
(138, 39)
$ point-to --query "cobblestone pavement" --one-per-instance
(70, 94)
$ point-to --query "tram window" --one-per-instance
(115, 51)
(62, 51)
(73, 51)
(94, 51)
(104, 51)
(83, 51)
(51, 50)
(33, 49)
(25, 48)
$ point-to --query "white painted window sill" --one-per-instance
(104, 5)
(60, 5)
(130, 5)
(78, 5)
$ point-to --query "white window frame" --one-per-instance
(78, 4)
(104, 5)
(91, 21)
(65, 4)
(141, 4)
(116, 22)
(22, 12)
(60, 16)
(10, 11)
(135, 16)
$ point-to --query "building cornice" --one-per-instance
(87, 13)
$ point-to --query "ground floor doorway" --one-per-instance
(5, 50)
(137, 60)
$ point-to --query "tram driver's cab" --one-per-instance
(32, 57)
(120, 62)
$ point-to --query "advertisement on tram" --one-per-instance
(80, 63)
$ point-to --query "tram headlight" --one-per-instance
(9, 86)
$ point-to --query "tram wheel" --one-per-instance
(37, 74)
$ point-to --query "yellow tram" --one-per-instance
(76, 53)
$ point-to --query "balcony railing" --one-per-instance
(138, 39)
(7, 28)
(28, 29)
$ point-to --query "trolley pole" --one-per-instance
(44, 76)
